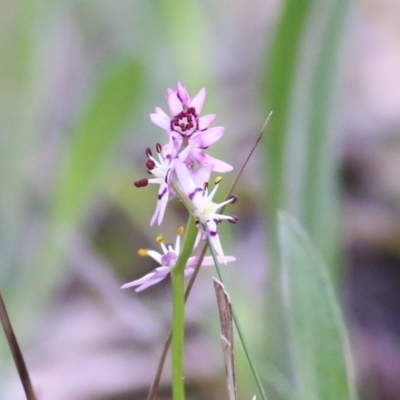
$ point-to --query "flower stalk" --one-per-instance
(178, 311)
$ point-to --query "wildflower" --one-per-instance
(167, 261)
(185, 125)
(203, 209)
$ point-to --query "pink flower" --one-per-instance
(186, 124)
(203, 209)
(185, 112)
(167, 261)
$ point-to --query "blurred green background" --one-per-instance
(78, 81)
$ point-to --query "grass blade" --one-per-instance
(318, 342)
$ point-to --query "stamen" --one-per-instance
(158, 148)
(218, 179)
(150, 164)
(233, 199)
(143, 253)
(160, 239)
(179, 230)
(149, 152)
(141, 183)
(205, 185)
(186, 122)
(233, 219)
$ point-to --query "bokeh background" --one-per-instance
(78, 81)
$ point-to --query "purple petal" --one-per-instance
(183, 94)
(163, 206)
(206, 121)
(208, 137)
(188, 271)
(150, 279)
(171, 149)
(208, 261)
(214, 240)
(163, 195)
(161, 119)
(198, 238)
(174, 104)
(184, 177)
(198, 101)
(202, 176)
(205, 161)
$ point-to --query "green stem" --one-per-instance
(178, 311)
(239, 330)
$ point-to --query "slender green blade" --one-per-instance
(301, 91)
(301, 86)
(95, 136)
(317, 338)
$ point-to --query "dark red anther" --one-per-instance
(233, 199)
(158, 148)
(233, 219)
(150, 164)
(141, 183)
(149, 153)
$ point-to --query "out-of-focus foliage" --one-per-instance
(77, 82)
(317, 340)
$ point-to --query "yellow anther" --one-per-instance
(143, 252)
(160, 239)
(179, 230)
(218, 179)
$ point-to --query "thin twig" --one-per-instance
(16, 352)
(239, 174)
(156, 380)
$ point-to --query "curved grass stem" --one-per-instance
(16, 352)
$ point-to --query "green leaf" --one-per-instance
(303, 142)
(317, 338)
(302, 146)
(95, 137)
